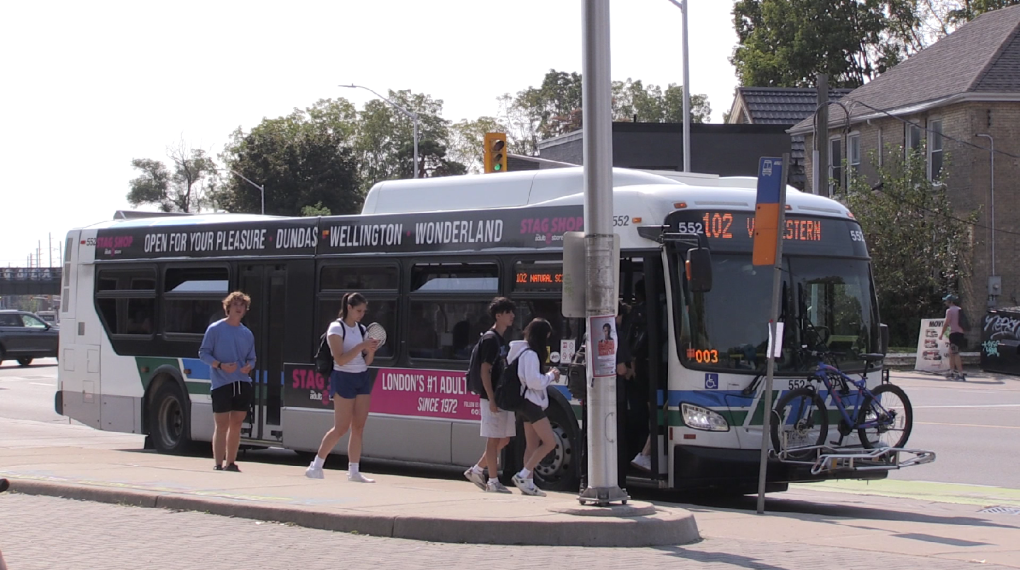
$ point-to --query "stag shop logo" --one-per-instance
(548, 230)
(113, 245)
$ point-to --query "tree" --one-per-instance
(182, 190)
(919, 245)
(384, 139)
(555, 108)
(467, 138)
(784, 43)
(301, 159)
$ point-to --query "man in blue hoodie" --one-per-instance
(229, 349)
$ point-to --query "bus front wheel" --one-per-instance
(560, 470)
(168, 420)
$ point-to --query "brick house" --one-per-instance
(965, 85)
(780, 106)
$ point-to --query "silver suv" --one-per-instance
(24, 337)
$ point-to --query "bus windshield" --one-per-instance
(727, 328)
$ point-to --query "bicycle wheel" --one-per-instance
(799, 420)
(888, 418)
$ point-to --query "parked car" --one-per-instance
(24, 337)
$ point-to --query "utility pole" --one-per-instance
(682, 4)
(603, 476)
(820, 178)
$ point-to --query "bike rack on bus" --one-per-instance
(829, 459)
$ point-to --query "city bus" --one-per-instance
(430, 255)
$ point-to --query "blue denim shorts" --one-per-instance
(349, 384)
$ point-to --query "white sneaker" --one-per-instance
(527, 486)
(314, 472)
(496, 487)
(642, 461)
(358, 478)
(475, 477)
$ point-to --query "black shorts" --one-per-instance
(234, 397)
(531, 412)
(957, 342)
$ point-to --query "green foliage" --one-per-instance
(182, 190)
(467, 139)
(305, 158)
(919, 246)
(317, 210)
(555, 108)
(967, 10)
(784, 43)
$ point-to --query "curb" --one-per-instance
(666, 527)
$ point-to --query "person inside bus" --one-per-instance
(533, 352)
(228, 347)
(350, 387)
(461, 349)
(638, 385)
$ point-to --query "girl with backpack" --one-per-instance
(350, 386)
(533, 352)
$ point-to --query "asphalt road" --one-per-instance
(973, 427)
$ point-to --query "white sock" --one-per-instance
(478, 469)
(525, 473)
(352, 467)
(318, 462)
(493, 480)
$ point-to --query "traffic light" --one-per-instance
(495, 152)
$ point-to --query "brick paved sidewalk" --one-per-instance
(43, 533)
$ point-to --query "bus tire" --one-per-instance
(168, 420)
(24, 361)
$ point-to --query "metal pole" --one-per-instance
(822, 134)
(777, 275)
(416, 145)
(603, 487)
(262, 189)
(682, 4)
(687, 94)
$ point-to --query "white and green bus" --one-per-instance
(429, 255)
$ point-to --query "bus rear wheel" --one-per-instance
(168, 421)
(560, 470)
(24, 361)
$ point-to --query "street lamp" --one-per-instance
(682, 4)
(262, 189)
(411, 114)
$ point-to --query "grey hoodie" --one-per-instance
(528, 371)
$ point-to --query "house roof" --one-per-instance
(776, 105)
(981, 58)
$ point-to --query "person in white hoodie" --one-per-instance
(533, 352)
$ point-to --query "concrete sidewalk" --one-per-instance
(449, 510)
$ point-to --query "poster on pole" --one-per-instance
(602, 335)
(932, 352)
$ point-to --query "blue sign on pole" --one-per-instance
(767, 209)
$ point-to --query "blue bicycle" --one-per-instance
(882, 417)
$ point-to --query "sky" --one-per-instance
(85, 87)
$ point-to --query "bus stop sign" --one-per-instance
(767, 210)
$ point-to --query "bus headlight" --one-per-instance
(702, 418)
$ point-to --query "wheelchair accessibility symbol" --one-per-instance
(711, 381)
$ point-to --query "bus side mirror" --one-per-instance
(699, 270)
(883, 331)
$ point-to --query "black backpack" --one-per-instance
(474, 372)
(964, 321)
(324, 356)
(510, 391)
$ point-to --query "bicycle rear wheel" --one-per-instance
(799, 420)
(888, 416)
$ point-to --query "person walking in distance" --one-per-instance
(497, 425)
(350, 386)
(228, 347)
(957, 340)
(533, 352)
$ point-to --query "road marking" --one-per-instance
(966, 425)
(970, 406)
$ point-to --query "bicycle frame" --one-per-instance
(822, 374)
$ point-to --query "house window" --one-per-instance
(934, 150)
(853, 152)
(835, 165)
(913, 138)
